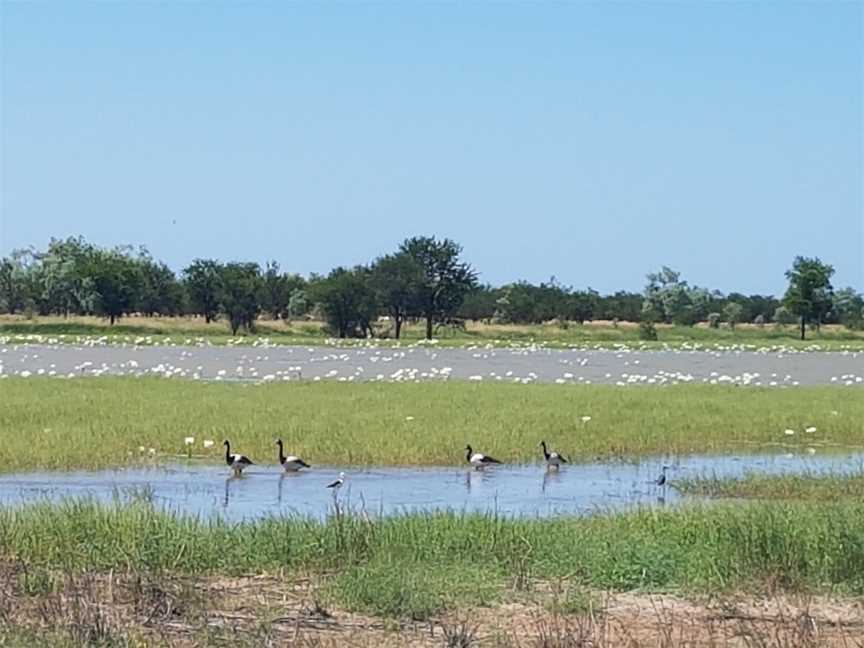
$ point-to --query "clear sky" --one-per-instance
(593, 142)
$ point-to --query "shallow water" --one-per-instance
(513, 490)
(524, 365)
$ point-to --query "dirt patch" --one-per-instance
(130, 609)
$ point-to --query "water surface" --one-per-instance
(513, 490)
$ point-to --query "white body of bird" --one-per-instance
(293, 464)
(478, 459)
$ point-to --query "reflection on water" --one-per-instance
(524, 490)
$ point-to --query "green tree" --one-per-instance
(581, 305)
(240, 292)
(202, 280)
(13, 285)
(347, 301)
(65, 284)
(446, 279)
(848, 307)
(783, 316)
(810, 294)
(480, 303)
(160, 291)
(624, 306)
(298, 304)
(116, 278)
(276, 291)
(732, 313)
(396, 280)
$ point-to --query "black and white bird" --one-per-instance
(290, 463)
(477, 459)
(237, 462)
(661, 480)
(552, 458)
(336, 485)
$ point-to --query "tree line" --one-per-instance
(425, 279)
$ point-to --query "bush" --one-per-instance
(647, 331)
(714, 320)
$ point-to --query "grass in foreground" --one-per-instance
(187, 329)
(98, 422)
(415, 565)
(811, 487)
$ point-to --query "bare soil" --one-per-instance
(129, 609)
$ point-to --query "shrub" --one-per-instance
(647, 331)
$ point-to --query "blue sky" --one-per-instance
(593, 142)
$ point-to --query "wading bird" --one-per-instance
(336, 485)
(553, 459)
(661, 480)
(237, 461)
(477, 459)
(290, 463)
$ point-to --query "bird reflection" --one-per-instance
(227, 491)
(472, 477)
(550, 475)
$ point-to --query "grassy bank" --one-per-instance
(809, 487)
(155, 330)
(97, 422)
(421, 563)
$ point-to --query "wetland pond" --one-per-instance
(522, 490)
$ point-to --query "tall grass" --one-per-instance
(448, 557)
(96, 422)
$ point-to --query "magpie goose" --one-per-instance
(477, 459)
(552, 458)
(237, 461)
(290, 463)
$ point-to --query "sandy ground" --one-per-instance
(271, 611)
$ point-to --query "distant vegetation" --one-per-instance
(424, 280)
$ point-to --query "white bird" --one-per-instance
(237, 461)
(552, 458)
(477, 459)
(336, 485)
(290, 463)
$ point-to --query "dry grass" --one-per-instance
(78, 609)
(600, 332)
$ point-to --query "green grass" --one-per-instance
(96, 422)
(184, 330)
(810, 487)
(418, 564)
